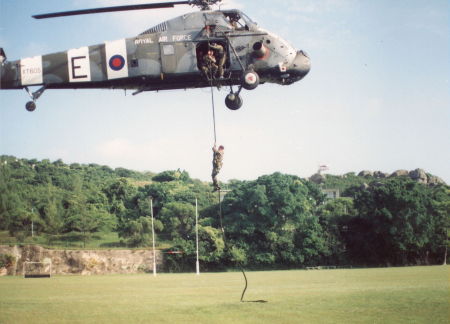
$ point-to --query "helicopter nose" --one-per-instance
(300, 66)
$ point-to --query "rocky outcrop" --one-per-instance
(433, 180)
(365, 173)
(399, 173)
(380, 175)
(84, 262)
(419, 175)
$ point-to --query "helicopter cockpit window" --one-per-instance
(248, 21)
(239, 21)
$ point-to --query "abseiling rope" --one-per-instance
(238, 263)
(213, 111)
(220, 209)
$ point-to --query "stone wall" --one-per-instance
(84, 262)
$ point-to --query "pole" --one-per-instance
(445, 255)
(197, 264)
(32, 223)
(153, 238)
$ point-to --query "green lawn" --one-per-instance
(99, 240)
(385, 295)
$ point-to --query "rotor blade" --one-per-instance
(112, 9)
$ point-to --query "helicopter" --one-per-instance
(168, 56)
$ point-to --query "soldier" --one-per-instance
(209, 66)
(217, 165)
(220, 57)
(234, 20)
(2, 56)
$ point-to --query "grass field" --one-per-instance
(99, 240)
(385, 295)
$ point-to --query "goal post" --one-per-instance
(34, 269)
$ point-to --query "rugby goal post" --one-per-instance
(34, 269)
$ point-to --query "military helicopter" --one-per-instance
(170, 55)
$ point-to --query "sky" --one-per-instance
(377, 97)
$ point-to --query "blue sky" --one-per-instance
(377, 96)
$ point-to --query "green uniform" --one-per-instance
(209, 66)
(221, 57)
(217, 165)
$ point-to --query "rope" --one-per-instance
(238, 263)
(220, 203)
(214, 112)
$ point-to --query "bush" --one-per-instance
(6, 260)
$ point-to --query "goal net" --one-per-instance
(33, 269)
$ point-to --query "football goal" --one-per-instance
(33, 269)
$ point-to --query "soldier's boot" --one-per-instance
(215, 185)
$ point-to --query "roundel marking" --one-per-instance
(250, 78)
(116, 62)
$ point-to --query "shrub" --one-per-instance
(6, 260)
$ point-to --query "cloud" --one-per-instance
(119, 147)
(164, 153)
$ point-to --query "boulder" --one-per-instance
(380, 175)
(419, 175)
(399, 173)
(365, 173)
(434, 181)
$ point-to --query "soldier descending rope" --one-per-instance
(217, 165)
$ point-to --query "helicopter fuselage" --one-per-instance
(167, 56)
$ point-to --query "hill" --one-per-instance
(275, 221)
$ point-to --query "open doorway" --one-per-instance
(220, 53)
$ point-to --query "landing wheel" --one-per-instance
(250, 80)
(233, 101)
(30, 106)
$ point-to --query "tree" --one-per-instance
(13, 213)
(441, 206)
(135, 224)
(178, 219)
(334, 216)
(167, 176)
(138, 232)
(211, 251)
(396, 224)
(273, 220)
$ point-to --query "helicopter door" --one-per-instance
(178, 57)
(168, 59)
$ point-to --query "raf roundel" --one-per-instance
(116, 62)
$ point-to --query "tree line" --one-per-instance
(275, 221)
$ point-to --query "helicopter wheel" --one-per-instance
(250, 80)
(233, 101)
(30, 106)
